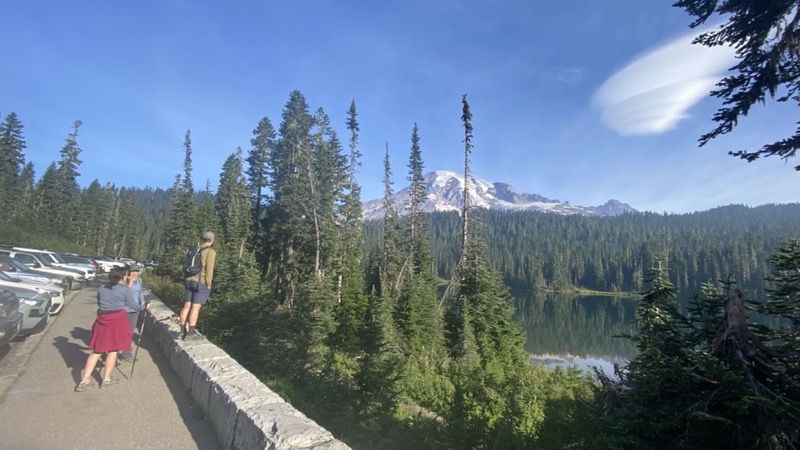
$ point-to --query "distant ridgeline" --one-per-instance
(614, 253)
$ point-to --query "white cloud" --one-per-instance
(653, 93)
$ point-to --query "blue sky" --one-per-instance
(580, 101)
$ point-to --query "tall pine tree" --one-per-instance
(12, 161)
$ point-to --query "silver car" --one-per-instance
(34, 304)
(16, 269)
(55, 260)
(56, 292)
(75, 276)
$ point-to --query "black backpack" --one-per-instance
(192, 263)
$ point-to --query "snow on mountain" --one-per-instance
(444, 192)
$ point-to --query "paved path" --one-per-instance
(40, 411)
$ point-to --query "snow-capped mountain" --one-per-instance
(444, 192)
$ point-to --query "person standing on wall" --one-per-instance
(197, 288)
(135, 284)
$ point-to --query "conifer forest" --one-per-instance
(398, 333)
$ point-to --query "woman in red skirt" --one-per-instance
(111, 331)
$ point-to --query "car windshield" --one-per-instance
(44, 260)
(17, 265)
(5, 277)
(58, 257)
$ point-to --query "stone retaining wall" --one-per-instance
(245, 413)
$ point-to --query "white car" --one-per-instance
(20, 278)
(108, 263)
(53, 258)
(55, 293)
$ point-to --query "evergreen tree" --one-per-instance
(415, 199)
(289, 221)
(63, 210)
(326, 179)
(57, 192)
(127, 227)
(418, 317)
(764, 34)
(487, 344)
(706, 381)
(206, 215)
(12, 161)
(313, 323)
(45, 190)
(353, 303)
(24, 204)
(391, 260)
(379, 368)
(236, 276)
(262, 144)
(182, 228)
(97, 206)
(351, 210)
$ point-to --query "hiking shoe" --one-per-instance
(109, 382)
(127, 359)
(82, 386)
(192, 335)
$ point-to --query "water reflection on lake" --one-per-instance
(568, 329)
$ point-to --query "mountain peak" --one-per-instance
(444, 191)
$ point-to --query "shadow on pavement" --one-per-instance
(194, 417)
(74, 355)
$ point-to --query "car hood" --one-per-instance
(39, 285)
(28, 277)
(26, 292)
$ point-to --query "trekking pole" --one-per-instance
(138, 344)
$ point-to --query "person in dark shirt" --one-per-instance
(111, 331)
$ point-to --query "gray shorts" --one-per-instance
(195, 292)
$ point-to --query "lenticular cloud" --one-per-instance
(652, 93)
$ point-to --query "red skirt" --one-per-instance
(111, 332)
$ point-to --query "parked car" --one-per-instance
(126, 261)
(76, 277)
(54, 259)
(34, 304)
(108, 262)
(101, 268)
(10, 317)
(16, 269)
(56, 293)
(80, 261)
(149, 263)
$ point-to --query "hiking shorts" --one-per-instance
(195, 292)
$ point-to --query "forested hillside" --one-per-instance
(544, 250)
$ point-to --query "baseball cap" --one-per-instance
(208, 236)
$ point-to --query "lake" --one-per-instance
(581, 330)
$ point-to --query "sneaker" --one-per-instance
(182, 333)
(109, 382)
(127, 359)
(82, 386)
(192, 335)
